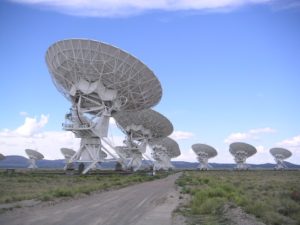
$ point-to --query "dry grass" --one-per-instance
(23, 186)
(272, 196)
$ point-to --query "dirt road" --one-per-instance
(142, 204)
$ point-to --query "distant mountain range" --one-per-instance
(14, 161)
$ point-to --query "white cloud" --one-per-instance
(116, 8)
(252, 134)
(291, 143)
(32, 126)
(262, 130)
(181, 135)
(30, 135)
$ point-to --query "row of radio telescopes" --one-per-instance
(240, 151)
(103, 82)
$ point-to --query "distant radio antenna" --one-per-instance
(33, 156)
(141, 127)
(280, 154)
(163, 150)
(241, 151)
(204, 153)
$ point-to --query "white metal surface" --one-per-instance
(98, 79)
(162, 151)
(144, 125)
(204, 153)
(133, 156)
(241, 151)
(33, 155)
(106, 75)
(280, 154)
(68, 154)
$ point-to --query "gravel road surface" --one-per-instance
(142, 204)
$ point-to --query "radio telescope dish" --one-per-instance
(33, 156)
(280, 154)
(142, 126)
(162, 151)
(98, 79)
(2, 156)
(67, 152)
(241, 151)
(133, 157)
(204, 153)
(104, 73)
(171, 147)
(146, 124)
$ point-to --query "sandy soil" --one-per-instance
(237, 216)
(141, 204)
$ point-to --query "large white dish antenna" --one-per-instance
(201, 149)
(146, 124)
(237, 147)
(33, 154)
(133, 157)
(282, 152)
(67, 152)
(241, 151)
(162, 152)
(171, 146)
(204, 153)
(102, 72)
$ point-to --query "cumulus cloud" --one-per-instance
(181, 135)
(252, 134)
(292, 143)
(31, 135)
(116, 8)
(32, 126)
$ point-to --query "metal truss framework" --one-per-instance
(33, 155)
(241, 151)
(280, 154)
(99, 80)
(204, 153)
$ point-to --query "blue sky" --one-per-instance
(229, 71)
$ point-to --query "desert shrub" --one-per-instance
(62, 192)
(271, 196)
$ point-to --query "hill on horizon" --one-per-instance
(15, 161)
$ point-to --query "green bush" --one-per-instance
(272, 196)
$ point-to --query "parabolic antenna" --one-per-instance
(241, 151)
(67, 152)
(171, 147)
(162, 152)
(33, 156)
(109, 76)
(133, 157)
(2, 156)
(204, 152)
(280, 154)
(146, 124)
(98, 79)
